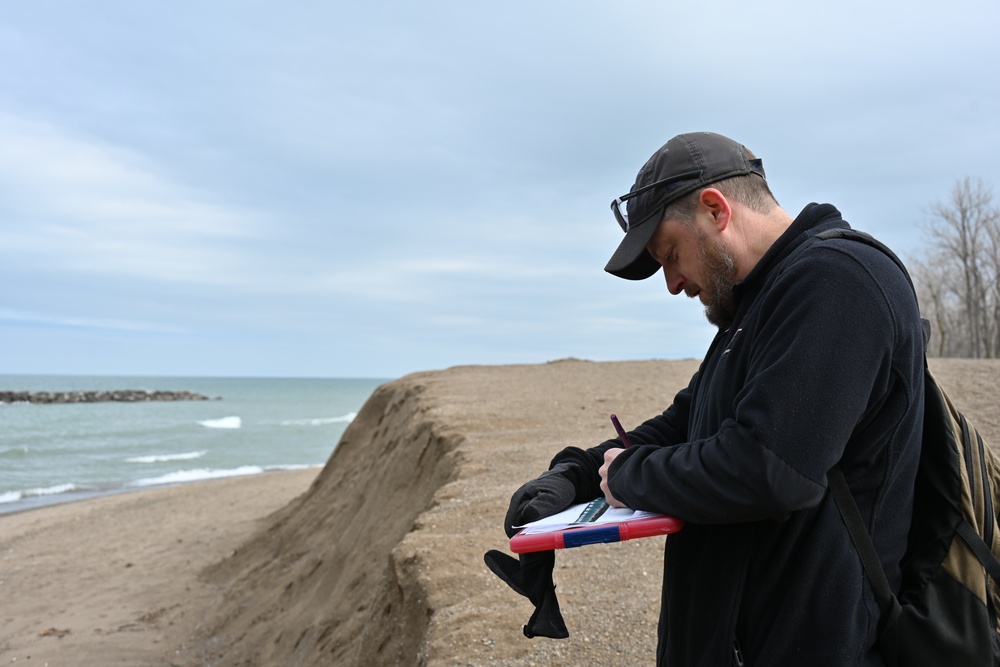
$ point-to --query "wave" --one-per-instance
(200, 474)
(223, 422)
(320, 421)
(197, 475)
(14, 496)
(10, 497)
(158, 458)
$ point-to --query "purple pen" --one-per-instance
(621, 431)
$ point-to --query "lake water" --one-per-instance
(60, 452)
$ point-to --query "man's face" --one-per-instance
(698, 264)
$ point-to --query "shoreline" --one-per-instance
(44, 501)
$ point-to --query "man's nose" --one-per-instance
(675, 281)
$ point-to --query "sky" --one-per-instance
(369, 189)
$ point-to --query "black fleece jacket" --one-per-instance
(823, 365)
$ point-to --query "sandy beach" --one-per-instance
(377, 558)
(110, 581)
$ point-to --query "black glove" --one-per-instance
(550, 492)
(531, 576)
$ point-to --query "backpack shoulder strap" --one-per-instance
(868, 239)
(862, 540)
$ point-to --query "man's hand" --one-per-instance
(609, 456)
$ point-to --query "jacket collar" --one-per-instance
(813, 219)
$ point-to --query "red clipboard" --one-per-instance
(578, 536)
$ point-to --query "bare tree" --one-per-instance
(934, 305)
(993, 284)
(957, 282)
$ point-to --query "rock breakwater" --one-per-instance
(119, 395)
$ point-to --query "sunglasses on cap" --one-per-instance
(621, 212)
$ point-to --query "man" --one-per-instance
(817, 362)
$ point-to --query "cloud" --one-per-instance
(9, 317)
(79, 203)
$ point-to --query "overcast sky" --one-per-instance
(366, 189)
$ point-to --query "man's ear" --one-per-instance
(717, 206)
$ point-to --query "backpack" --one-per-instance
(946, 610)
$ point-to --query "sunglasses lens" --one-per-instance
(621, 213)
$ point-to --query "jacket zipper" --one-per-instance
(737, 654)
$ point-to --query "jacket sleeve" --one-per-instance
(821, 358)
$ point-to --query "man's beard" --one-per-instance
(721, 277)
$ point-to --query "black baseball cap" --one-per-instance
(686, 163)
